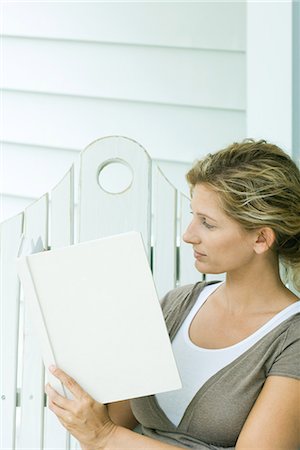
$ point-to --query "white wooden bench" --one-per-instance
(148, 202)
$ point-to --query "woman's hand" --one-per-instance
(85, 418)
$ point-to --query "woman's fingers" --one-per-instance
(58, 399)
(69, 382)
(65, 417)
(84, 417)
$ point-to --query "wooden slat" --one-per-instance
(216, 25)
(103, 214)
(164, 233)
(213, 79)
(57, 121)
(187, 271)
(10, 233)
(61, 234)
(62, 212)
(32, 394)
(175, 172)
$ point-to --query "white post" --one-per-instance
(296, 81)
(10, 233)
(273, 74)
(269, 71)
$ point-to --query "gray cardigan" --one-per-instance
(216, 414)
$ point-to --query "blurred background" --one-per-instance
(181, 78)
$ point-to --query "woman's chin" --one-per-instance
(201, 267)
(204, 268)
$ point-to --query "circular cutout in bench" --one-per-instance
(115, 176)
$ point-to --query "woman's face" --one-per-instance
(220, 243)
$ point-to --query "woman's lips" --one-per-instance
(197, 254)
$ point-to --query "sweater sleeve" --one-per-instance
(174, 297)
(172, 305)
(287, 362)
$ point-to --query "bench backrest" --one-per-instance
(144, 201)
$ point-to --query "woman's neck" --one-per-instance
(256, 288)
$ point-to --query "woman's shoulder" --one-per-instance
(290, 328)
(180, 294)
(286, 353)
(293, 328)
(177, 303)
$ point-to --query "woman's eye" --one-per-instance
(207, 225)
(203, 221)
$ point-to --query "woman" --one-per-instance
(236, 342)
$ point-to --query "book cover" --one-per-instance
(97, 316)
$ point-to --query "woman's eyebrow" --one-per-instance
(203, 214)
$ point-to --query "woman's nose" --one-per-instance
(189, 236)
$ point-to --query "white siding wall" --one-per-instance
(169, 75)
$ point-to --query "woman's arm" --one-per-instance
(273, 422)
(121, 414)
(125, 439)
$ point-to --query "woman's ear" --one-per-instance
(265, 238)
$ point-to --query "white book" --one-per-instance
(97, 316)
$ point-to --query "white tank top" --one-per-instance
(190, 358)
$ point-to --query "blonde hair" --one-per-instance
(258, 185)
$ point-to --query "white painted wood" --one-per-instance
(62, 212)
(216, 25)
(74, 444)
(10, 232)
(102, 214)
(187, 271)
(175, 172)
(164, 233)
(55, 436)
(296, 82)
(269, 72)
(32, 394)
(68, 122)
(126, 72)
(61, 234)
(32, 170)
(217, 276)
(11, 205)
